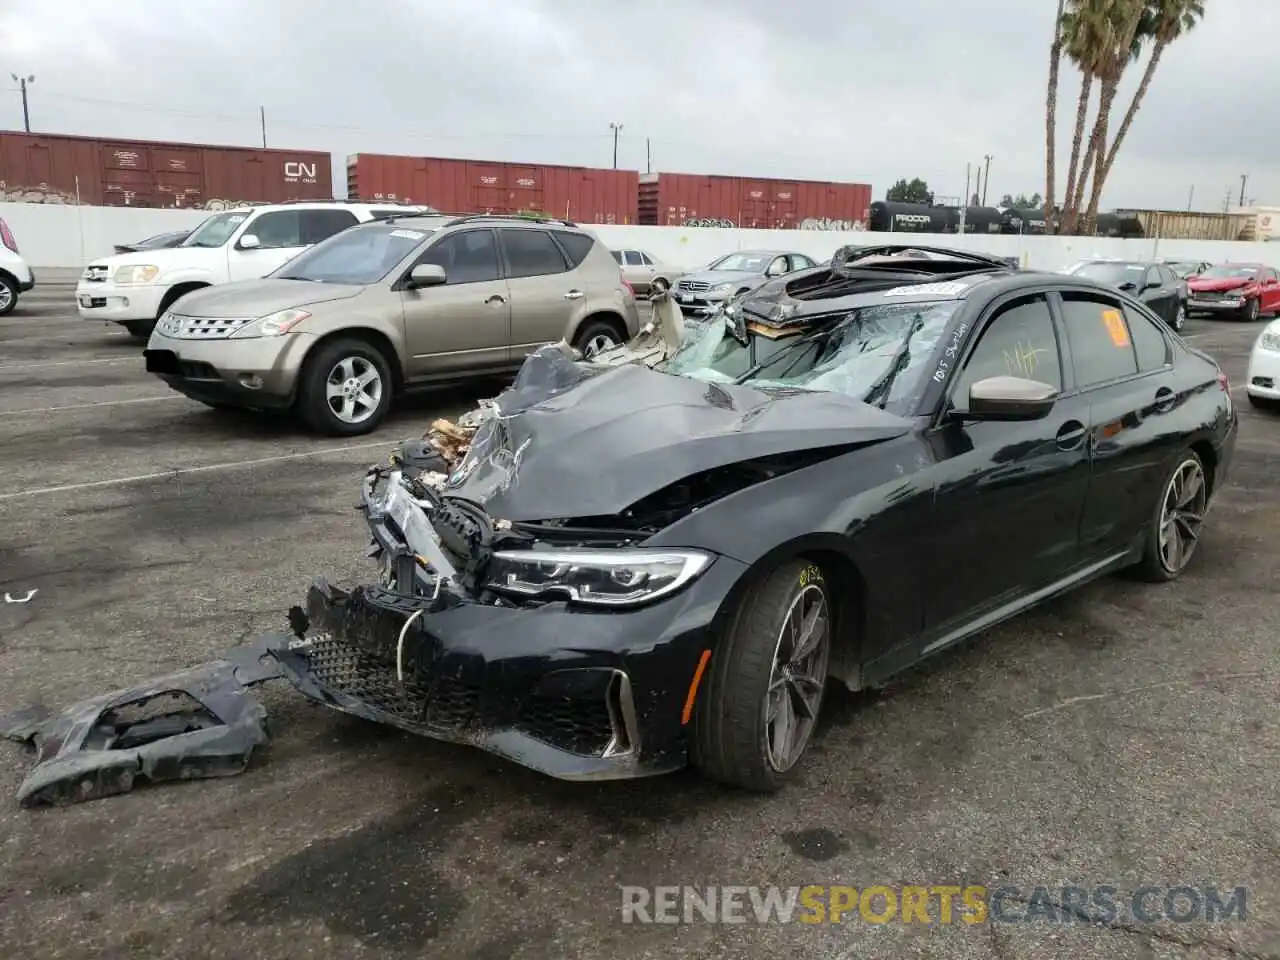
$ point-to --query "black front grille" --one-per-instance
(194, 370)
(442, 703)
(568, 723)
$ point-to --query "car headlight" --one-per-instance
(605, 578)
(1270, 340)
(168, 325)
(274, 325)
(143, 273)
(722, 289)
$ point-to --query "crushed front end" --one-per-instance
(569, 689)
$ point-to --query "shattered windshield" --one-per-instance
(877, 353)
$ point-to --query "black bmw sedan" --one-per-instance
(847, 471)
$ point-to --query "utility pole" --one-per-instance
(262, 119)
(648, 157)
(986, 178)
(964, 200)
(1244, 178)
(26, 113)
(617, 129)
(1190, 196)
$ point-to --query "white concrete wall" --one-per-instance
(70, 236)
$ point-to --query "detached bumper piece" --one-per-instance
(194, 724)
(367, 655)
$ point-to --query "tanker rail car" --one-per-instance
(891, 217)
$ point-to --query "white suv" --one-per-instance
(135, 289)
(15, 276)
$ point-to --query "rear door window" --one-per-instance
(1148, 342)
(1101, 343)
(531, 253)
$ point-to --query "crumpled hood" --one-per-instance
(1218, 284)
(261, 298)
(563, 449)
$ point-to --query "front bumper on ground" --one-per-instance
(1263, 378)
(259, 372)
(118, 303)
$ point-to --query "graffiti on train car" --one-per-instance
(723, 223)
(829, 224)
(218, 203)
(40, 193)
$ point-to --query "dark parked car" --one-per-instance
(161, 241)
(1186, 269)
(1150, 281)
(854, 468)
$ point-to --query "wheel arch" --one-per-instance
(611, 317)
(847, 593)
(370, 335)
(177, 291)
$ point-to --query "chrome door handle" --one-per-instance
(497, 298)
(574, 295)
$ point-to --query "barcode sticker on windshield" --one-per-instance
(407, 234)
(948, 288)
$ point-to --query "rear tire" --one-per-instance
(345, 388)
(596, 337)
(8, 296)
(739, 734)
(1177, 517)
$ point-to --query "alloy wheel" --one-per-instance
(1182, 515)
(353, 389)
(597, 344)
(797, 678)
(6, 297)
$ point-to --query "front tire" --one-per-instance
(1177, 521)
(1249, 312)
(140, 329)
(660, 285)
(8, 296)
(756, 714)
(1180, 317)
(346, 388)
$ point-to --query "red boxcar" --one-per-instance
(685, 199)
(583, 194)
(35, 168)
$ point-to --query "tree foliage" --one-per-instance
(909, 191)
(1022, 201)
(1101, 39)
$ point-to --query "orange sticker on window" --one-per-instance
(1115, 327)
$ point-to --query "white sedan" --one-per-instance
(1263, 381)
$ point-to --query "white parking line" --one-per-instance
(65, 363)
(183, 471)
(86, 406)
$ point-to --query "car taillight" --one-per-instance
(6, 237)
(630, 289)
(1224, 383)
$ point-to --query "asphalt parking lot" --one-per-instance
(1126, 735)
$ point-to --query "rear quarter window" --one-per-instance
(576, 246)
(1149, 342)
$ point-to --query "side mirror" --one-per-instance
(249, 242)
(1009, 398)
(426, 275)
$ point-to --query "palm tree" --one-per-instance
(1051, 116)
(1138, 25)
(1167, 20)
(1109, 41)
(1085, 29)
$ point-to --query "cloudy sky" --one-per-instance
(868, 92)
